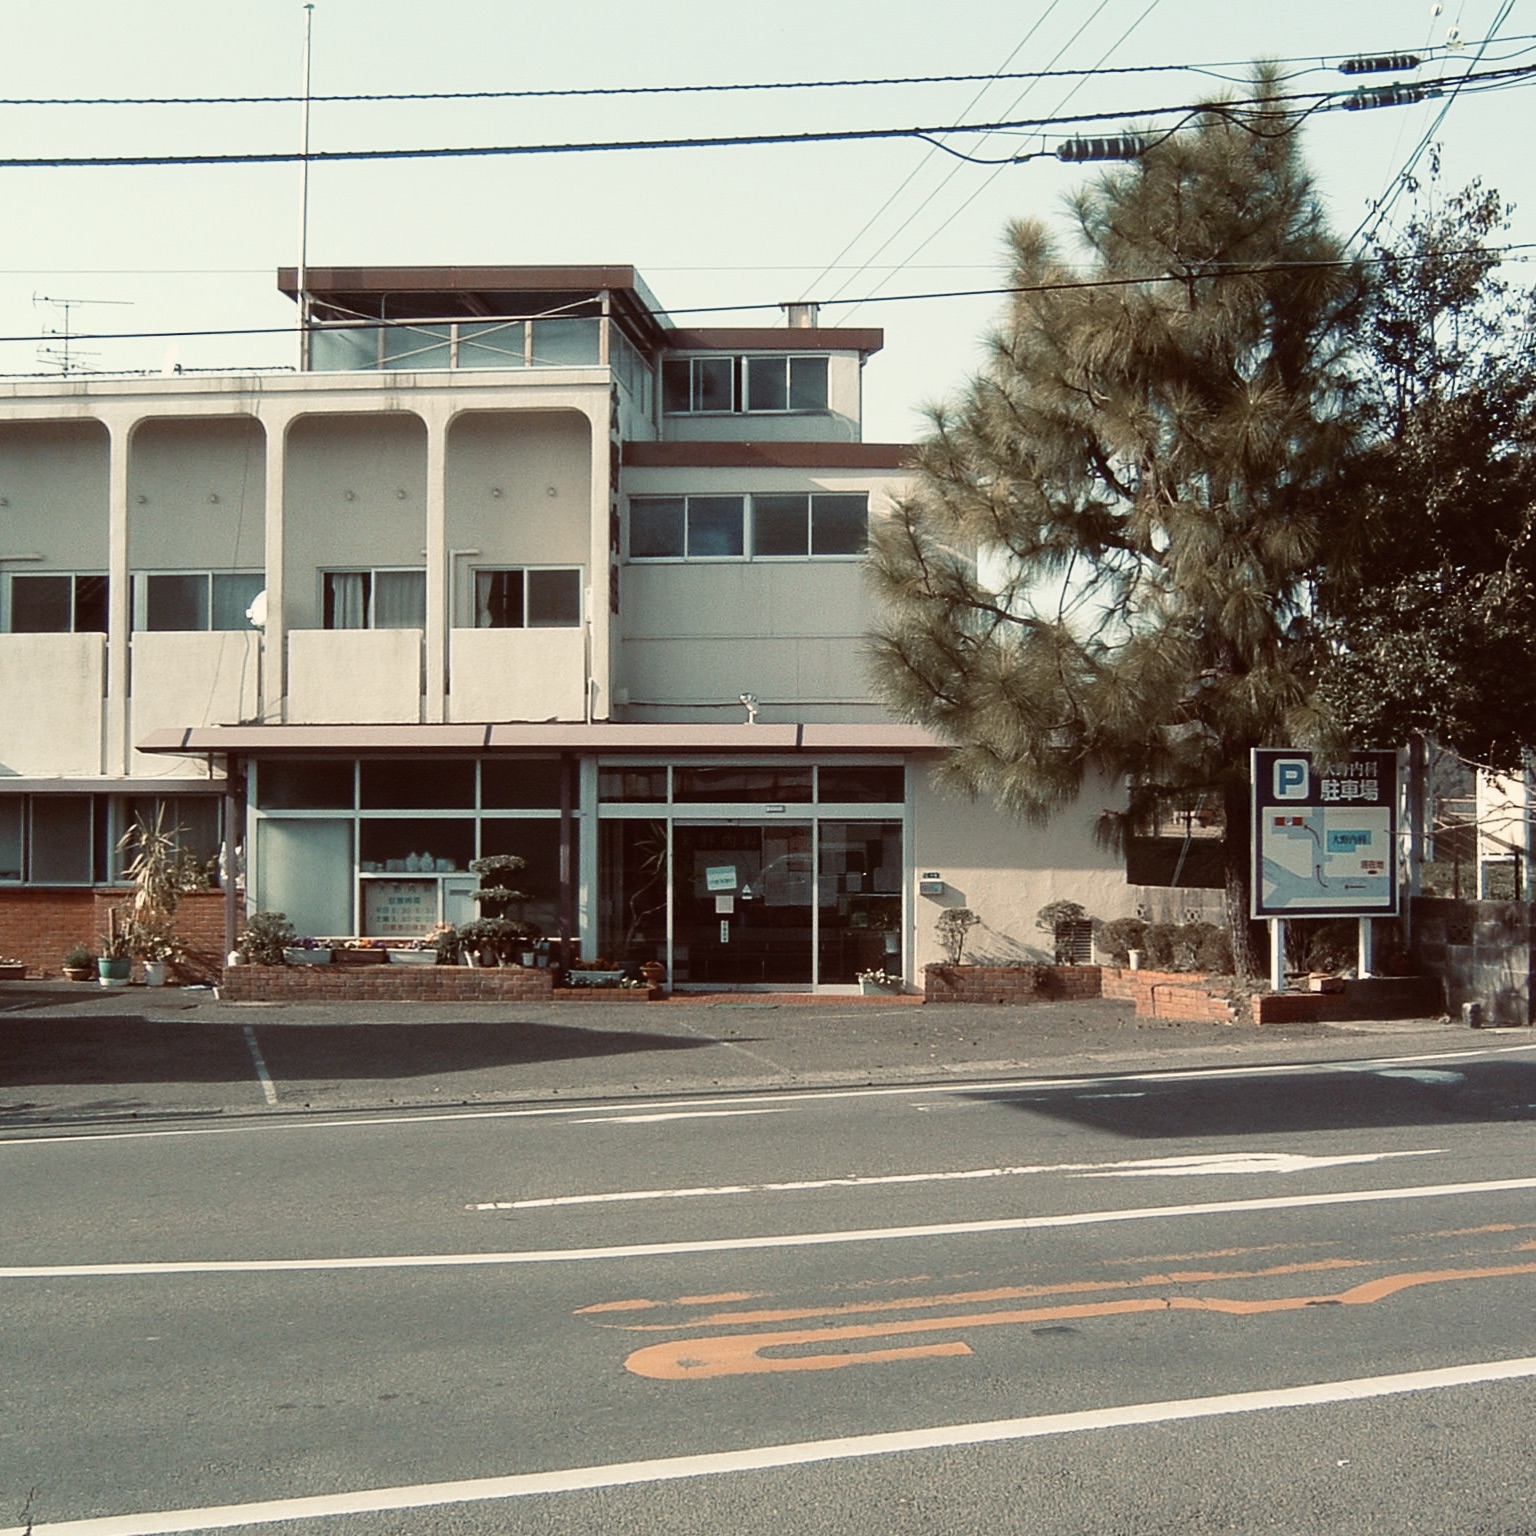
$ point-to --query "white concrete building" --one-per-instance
(513, 565)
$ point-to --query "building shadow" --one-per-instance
(104, 1050)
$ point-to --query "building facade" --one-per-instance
(513, 564)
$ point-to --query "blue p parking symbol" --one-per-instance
(1291, 776)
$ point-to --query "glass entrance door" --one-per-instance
(742, 898)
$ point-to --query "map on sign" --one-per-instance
(1325, 837)
(1322, 857)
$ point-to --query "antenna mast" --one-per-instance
(303, 284)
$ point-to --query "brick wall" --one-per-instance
(1171, 994)
(1008, 983)
(38, 924)
(385, 984)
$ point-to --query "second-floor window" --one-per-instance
(773, 382)
(374, 599)
(775, 526)
(517, 597)
(56, 604)
(194, 600)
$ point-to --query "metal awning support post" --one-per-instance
(1367, 955)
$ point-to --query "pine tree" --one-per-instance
(1104, 559)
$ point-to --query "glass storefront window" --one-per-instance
(697, 785)
(839, 785)
(414, 844)
(520, 783)
(305, 786)
(413, 783)
(858, 882)
(306, 872)
(633, 785)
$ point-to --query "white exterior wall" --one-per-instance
(1006, 869)
(51, 690)
(694, 635)
(296, 474)
(517, 674)
(176, 673)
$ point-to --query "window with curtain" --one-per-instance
(516, 597)
(374, 600)
(57, 605)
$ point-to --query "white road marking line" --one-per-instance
(768, 1458)
(980, 1088)
(262, 1075)
(742, 1244)
(675, 1114)
(1204, 1164)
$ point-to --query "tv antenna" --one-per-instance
(57, 351)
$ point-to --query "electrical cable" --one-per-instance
(1489, 80)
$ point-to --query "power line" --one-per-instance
(1217, 70)
(930, 134)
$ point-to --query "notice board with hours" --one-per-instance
(1324, 835)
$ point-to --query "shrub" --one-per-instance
(952, 927)
(266, 936)
(1121, 935)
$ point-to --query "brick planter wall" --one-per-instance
(385, 984)
(1008, 983)
(38, 924)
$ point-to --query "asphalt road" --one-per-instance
(1201, 1295)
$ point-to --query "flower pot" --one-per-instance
(155, 972)
(79, 972)
(13, 970)
(112, 971)
(306, 957)
(878, 989)
(412, 956)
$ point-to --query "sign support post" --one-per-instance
(1277, 954)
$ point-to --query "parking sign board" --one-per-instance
(1324, 835)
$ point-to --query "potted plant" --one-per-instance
(155, 869)
(265, 936)
(116, 958)
(878, 982)
(79, 962)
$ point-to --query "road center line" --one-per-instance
(741, 1244)
(774, 1457)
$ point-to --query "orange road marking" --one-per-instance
(971, 1298)
(697, 1359)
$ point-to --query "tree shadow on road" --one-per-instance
(1314, 1098)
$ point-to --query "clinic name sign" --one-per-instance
(1324, 836)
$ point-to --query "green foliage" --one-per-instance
(953, 926)
(264, 938)
(1442, 500)
(1104, 561)
(79, 956)
(495, 940)
(1120, 935)
(1053, 914)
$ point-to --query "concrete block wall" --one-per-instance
(1482, 950)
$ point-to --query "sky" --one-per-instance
(891, 232)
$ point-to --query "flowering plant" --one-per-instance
(879, 978)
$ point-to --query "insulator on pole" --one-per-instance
(1391, 96)
(1380, 64)
(1121, 146)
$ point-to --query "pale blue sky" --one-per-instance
(197, 249)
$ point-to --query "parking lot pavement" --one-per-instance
(73, 1053)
